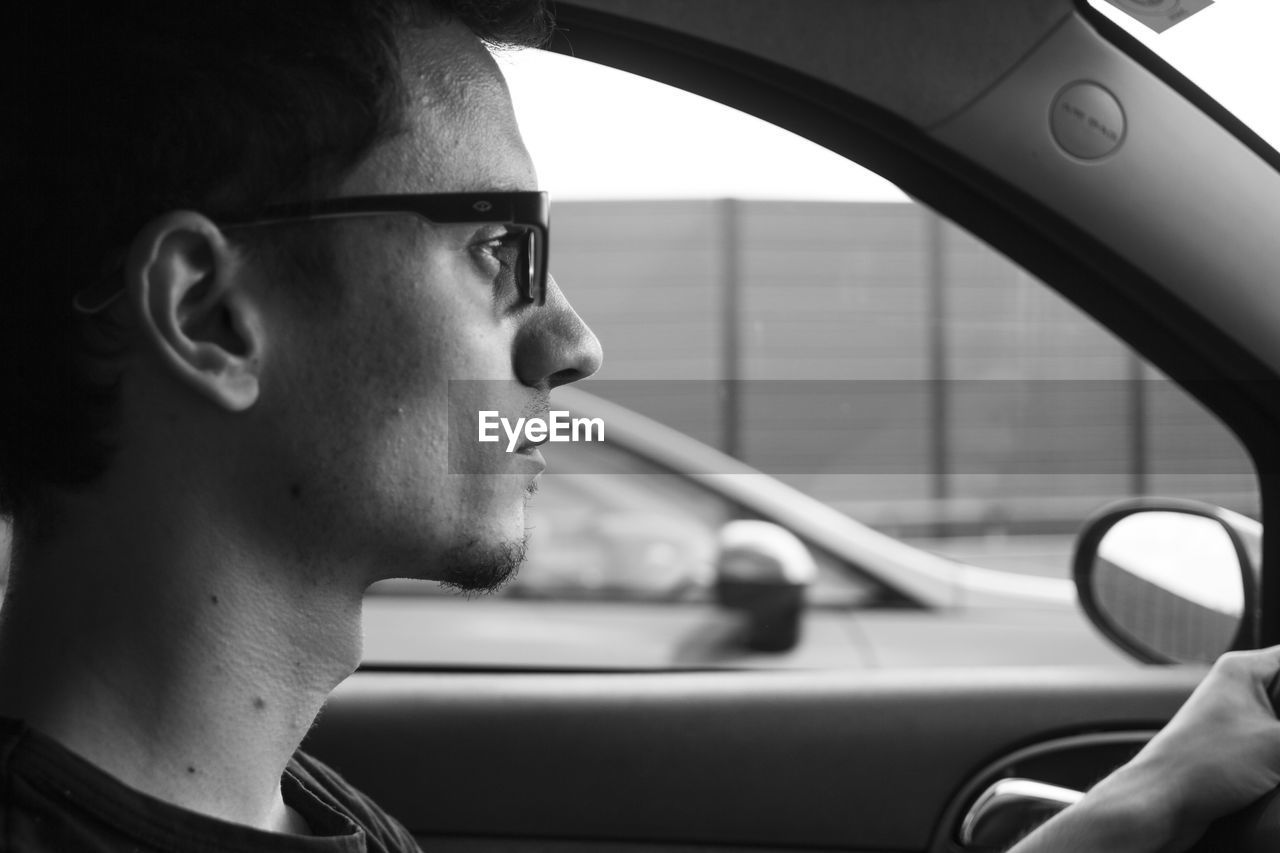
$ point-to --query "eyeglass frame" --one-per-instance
(526, 209)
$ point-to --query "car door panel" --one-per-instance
(858, 761)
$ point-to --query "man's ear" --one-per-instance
(191, 297)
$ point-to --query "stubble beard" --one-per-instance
(478, 568)
(482, 568)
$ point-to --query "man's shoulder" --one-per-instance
(53, 800)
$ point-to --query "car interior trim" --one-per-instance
(832, 736)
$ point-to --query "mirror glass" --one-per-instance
(1172, 584)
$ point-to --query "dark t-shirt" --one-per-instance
(53, 800)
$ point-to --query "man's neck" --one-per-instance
(183, 668)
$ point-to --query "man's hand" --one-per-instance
(1219, 753)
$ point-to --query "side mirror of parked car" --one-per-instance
(763, 570)
(1171, 581)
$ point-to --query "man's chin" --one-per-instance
(479, 568)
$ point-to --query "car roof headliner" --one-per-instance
(921, 59)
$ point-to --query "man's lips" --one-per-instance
(531, 452)
(530, 446)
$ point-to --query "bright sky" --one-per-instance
(701, 149)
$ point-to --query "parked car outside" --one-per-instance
(621, 573)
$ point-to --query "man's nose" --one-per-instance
(554, 347)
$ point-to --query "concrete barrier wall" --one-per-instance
(941, 374)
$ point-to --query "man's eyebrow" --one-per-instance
(502, 186)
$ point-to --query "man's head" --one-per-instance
(296, 374)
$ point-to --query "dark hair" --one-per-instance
(118, 112)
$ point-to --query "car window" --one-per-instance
(881, 371)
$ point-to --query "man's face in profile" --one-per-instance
(363, 404)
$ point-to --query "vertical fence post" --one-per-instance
(939, 404)
(1138, 462)
(730, 324)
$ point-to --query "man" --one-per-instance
(254, 424)
(237, 303)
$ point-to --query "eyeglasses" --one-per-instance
(525, 214)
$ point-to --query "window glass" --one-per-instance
(936, 423)
(795, 312)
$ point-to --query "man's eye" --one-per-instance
(499, 252)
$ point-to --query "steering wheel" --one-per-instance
(1011, 807)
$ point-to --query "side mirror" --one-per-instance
(1171, 581)
(763, 570)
